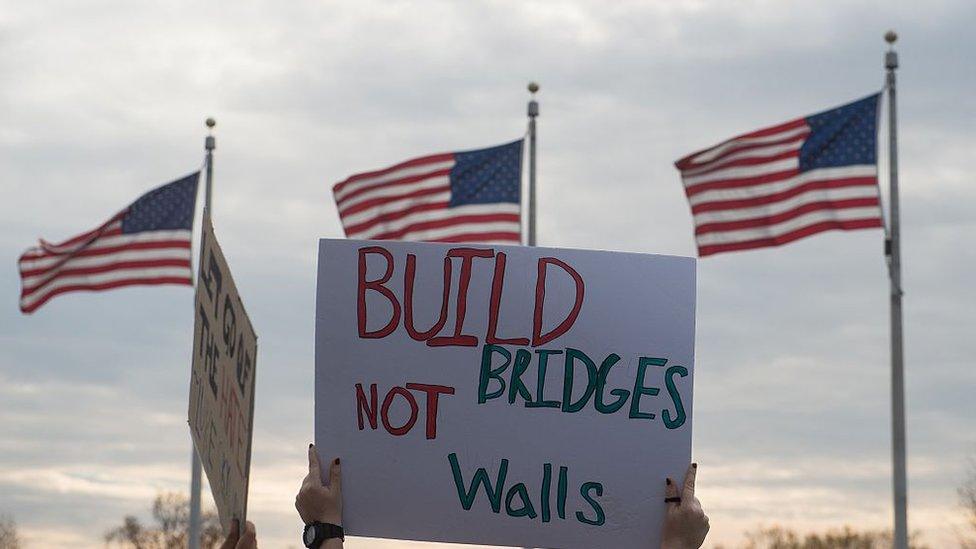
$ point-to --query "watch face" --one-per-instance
(309, 536)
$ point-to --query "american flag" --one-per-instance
(785, 182)
(146, 243)
(470, 196)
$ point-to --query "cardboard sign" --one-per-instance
(504, 395)
(222, 382)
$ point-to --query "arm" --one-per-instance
(319, 503)
(685, 524)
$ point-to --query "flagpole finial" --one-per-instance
(210, 143)
(891, 56)
(533, 104)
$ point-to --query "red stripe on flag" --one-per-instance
(408, 164)
(84, 236)
(440, 223)
(108, 250)
(51, 250)
(108, 286)
(481, 237)
(118, 266)
(367, 204)
(688, 161)
(721, 226)
(394, 183)
(392, 216)
(720, 205)
(773, 130)
(739, 162)
(743, 148)
(735, 183)
(848, 225)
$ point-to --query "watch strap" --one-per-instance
(324, 531)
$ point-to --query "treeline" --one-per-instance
(777, 537)
(8, 533)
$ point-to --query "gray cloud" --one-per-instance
(106, 99)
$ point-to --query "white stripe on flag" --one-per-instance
(710, 154)
(398, 174)
(768, 151)
(108, 259)
(743, 172)
(112, 241)
(392, 207)
(765, 189)
(477, 227)
(437, 215)
(744, 235)
(814, 195)
(82, 241)
(399, 190)
(102, 278)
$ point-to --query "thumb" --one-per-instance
(689, 489)
(335, 476)
(314, 469)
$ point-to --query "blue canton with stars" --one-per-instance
(165, 208)
(487, 176)
(845, 136)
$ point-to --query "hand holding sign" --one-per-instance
(316, 502)
(236, 540)
(685, 524)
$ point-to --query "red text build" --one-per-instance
(526, 396)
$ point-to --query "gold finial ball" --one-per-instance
(211, 123)
(891, 36)
(533, 87)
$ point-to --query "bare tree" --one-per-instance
(171, 513)
(777, 537)
(967, 497)
(8, 533)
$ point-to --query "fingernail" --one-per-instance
(694, 465)
(668, 480)
(337, 461)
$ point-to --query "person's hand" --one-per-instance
(685, 524)
(235, 540)
(316, 502)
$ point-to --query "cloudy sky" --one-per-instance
(103, 100)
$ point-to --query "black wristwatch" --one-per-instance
(317, 532)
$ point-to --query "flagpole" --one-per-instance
(533, 113)
(196, 474)
(900, 484)
(209, 144)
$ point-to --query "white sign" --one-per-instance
(221, 413)
(504, 395)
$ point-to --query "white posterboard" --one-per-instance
(444, 430)
(221, 413)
